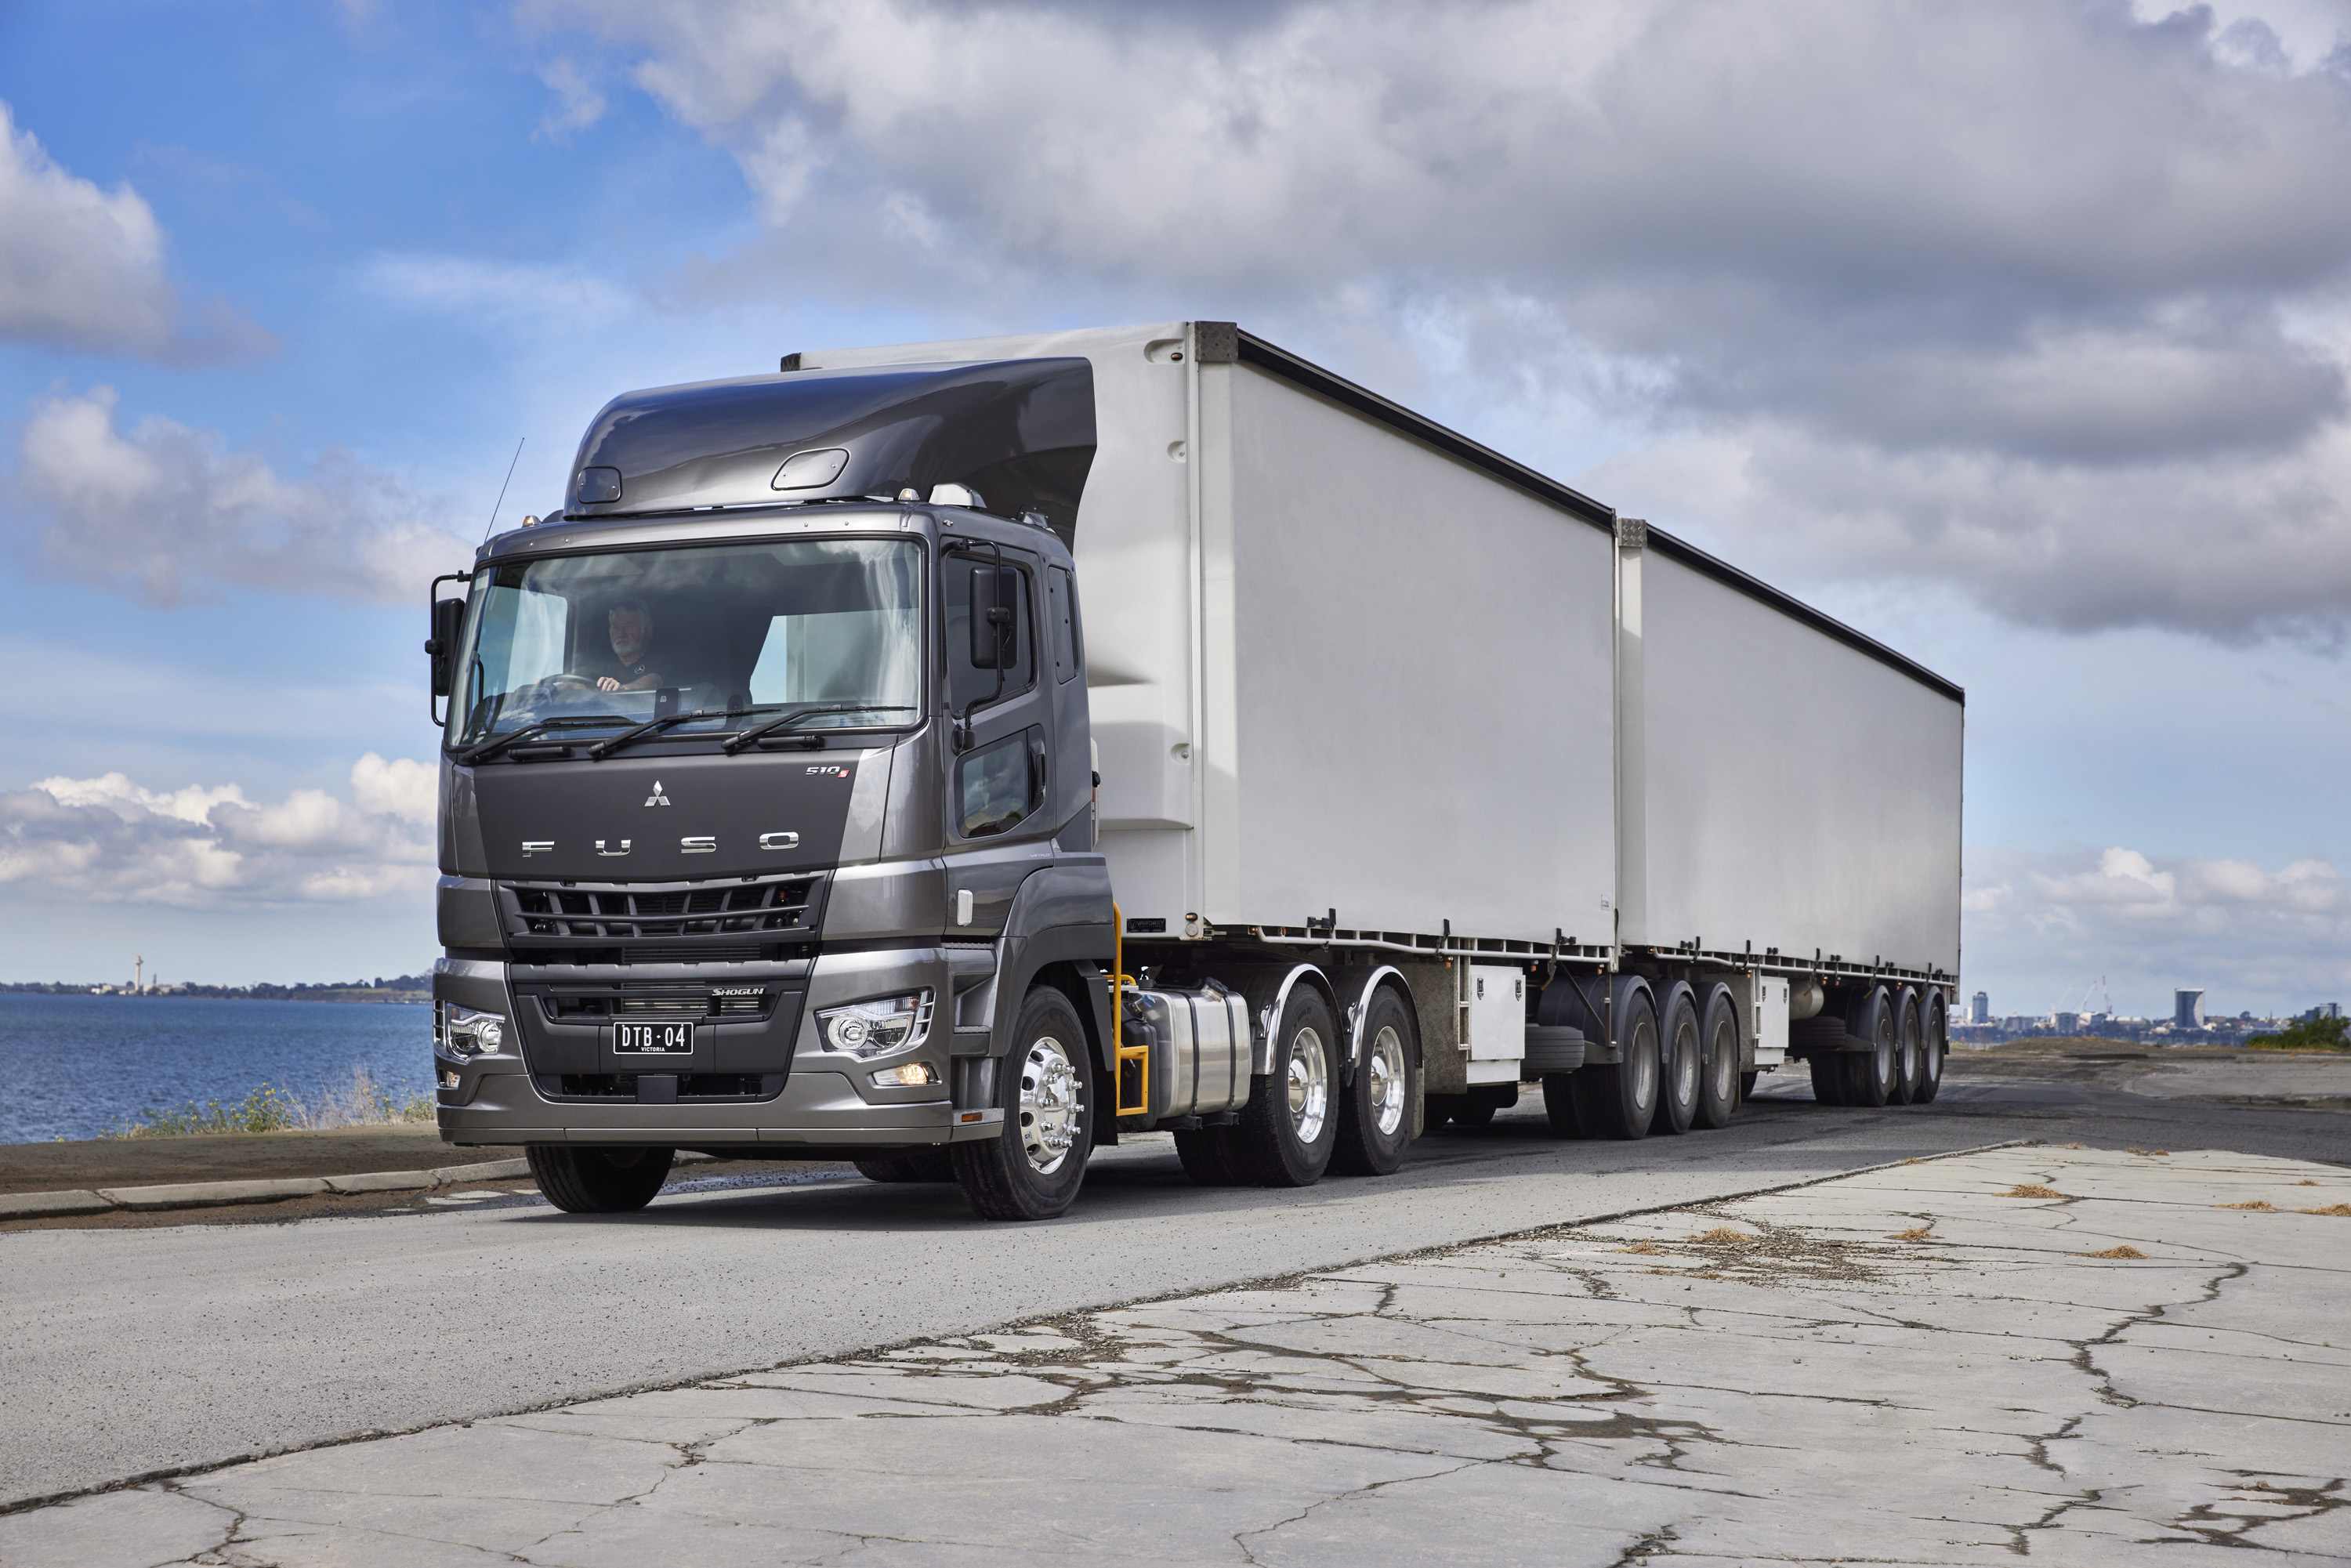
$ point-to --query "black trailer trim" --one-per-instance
(1255, 351)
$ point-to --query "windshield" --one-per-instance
(601, 641)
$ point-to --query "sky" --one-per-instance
(2015, 333)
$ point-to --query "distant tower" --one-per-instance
(2188, 1010)
(1980, 1008)
(139, 974)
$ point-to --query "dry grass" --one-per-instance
(2340, 1211)
(1915, 1233)
(361, 1103)
(1645, 1249)
(2125, 1251)
(2029, 1190)
(2305, 1182)
(2258, 1206)
(1723, 1236)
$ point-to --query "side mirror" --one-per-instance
(448, 625)
(995, 591)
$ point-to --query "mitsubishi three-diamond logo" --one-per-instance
(657, 797)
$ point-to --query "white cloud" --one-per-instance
(2042, 927)
(168, 512)
(84, 268)
(577, 105)
(1968, 290)
(472, 286)
(108, 840)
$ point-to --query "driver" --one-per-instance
(631, 627)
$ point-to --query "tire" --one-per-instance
(1933, 1044)
(1559, 1105)
(1375, 1110)
(1828, 1077)
(920, 1166)
(1291, 1125)
(1718, 1068)
(581, 1178)
(1677, 1062)
(1207, 1157)
(1908, 1048)
(1619, 1100)
(1869, 1074)
(1045, 1086)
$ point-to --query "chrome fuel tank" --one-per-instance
(1199, 1048)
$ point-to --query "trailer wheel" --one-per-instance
(1909, 1051)
(1869, 1074)
(1560, 1106)
(1934, 1041)
(1679, 1058)
(1207, 1157)
(1290, 1126)
(1718, 1076)
(1619, 1100)
(1375, 1112)
(1828, 1077)
(579, 1179)
(1032, 1169)
(922, 1164)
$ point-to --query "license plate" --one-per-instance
(653, 1038)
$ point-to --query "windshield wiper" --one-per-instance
(774, 726)
(603, 749)
(489, 748)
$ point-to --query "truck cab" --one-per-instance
(767, 823)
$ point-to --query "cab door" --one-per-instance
(1000, 754)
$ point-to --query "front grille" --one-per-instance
(628, 914)
(570, 923)
(681, 1004)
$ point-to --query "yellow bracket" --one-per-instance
(1133, 1088)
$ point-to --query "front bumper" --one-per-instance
(820, 1099)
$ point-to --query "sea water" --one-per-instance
(80, 1067)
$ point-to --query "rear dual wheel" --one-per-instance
(1289, 1131)
(1619, 1099)
(1375, 1110)
(1934, 1041)
(1869, 1076)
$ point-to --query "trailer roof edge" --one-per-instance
(1274, 360)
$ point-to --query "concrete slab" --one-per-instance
(1793, 1377)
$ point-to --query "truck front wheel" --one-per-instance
(1033, 1168)
(1375, 1116)
(584, 1180)
(1291, 1124)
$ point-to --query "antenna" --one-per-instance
(502, 488)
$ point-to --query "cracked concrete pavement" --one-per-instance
(2073, 1354)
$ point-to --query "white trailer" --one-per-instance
(1362, 685)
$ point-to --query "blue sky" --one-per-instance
(2016, 336)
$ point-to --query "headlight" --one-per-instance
(905, 1075)
(465, 1033)
(879, 1027)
